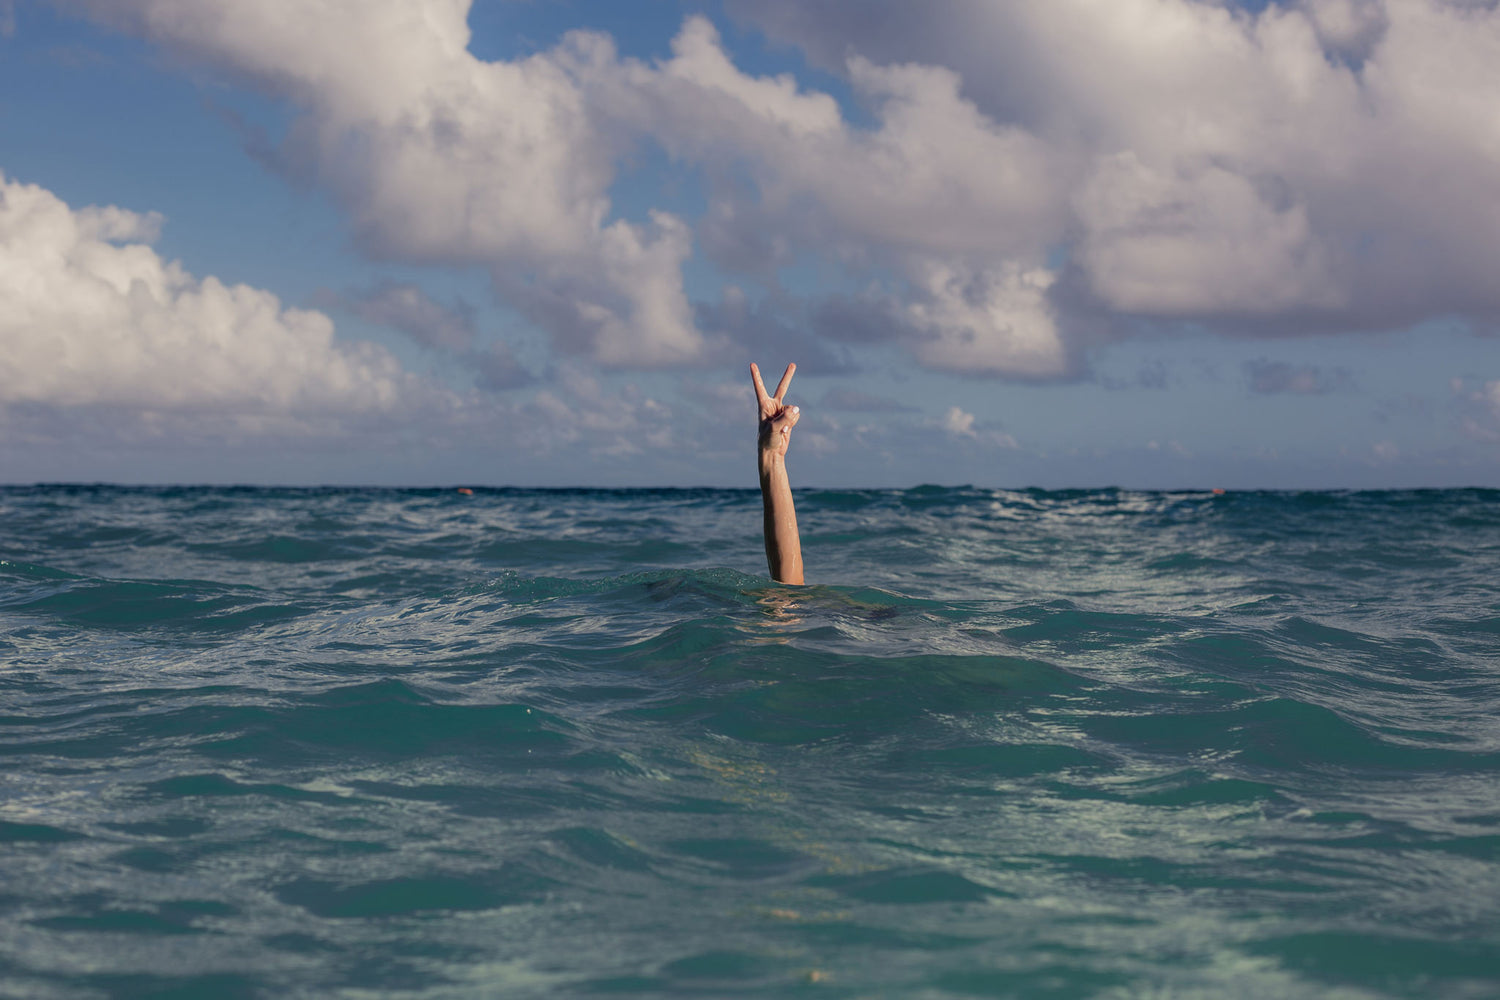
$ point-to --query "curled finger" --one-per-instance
(784, 421)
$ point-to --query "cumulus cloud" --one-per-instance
(935, 175)
(104, 343)
(92, 317)
(1197, 240)
(1033, 177)
(1322, 164)
(987, 323)
(959, 206)
(956, 421)
(578, 411)
(1349, 29)
(437, 156)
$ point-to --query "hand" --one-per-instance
(783, 544)
(776, 418)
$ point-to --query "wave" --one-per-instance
(268, 742)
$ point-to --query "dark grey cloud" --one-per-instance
(772, 330)
(449, 330)
(865, 320)
(1268, 378)
(1150, 375)
(406, 307)
(496, 368)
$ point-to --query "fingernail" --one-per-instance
(796, 409)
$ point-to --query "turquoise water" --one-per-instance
(384, 743)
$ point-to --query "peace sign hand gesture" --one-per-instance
(783, 544)
(776, 418)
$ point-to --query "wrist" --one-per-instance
(770, 461)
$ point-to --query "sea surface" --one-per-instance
(528, 743)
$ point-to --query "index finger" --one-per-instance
(786, 380)
(760, 387)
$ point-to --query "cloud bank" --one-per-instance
(103, 343)
(439, 157)
(1032, 179)
(1327, 164)
(91, 317)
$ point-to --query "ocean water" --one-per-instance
(387, 743)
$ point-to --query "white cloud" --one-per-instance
(1330, 164)
(987, 323)
(107, 349)
(106, 345)
(959, 206)
(1348, 28)
(956, 421)
(580, 412)
(716, 87)
(439, 157)
(936, 175)
(91, 316)
(1197, 240)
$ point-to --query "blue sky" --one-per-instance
(1154, 243)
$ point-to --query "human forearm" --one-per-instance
(783, 544)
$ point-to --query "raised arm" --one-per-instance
(783, 545)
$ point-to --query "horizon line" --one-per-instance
(458, 487)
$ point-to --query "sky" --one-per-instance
(1139, 243)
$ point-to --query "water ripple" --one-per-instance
(539, 743)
